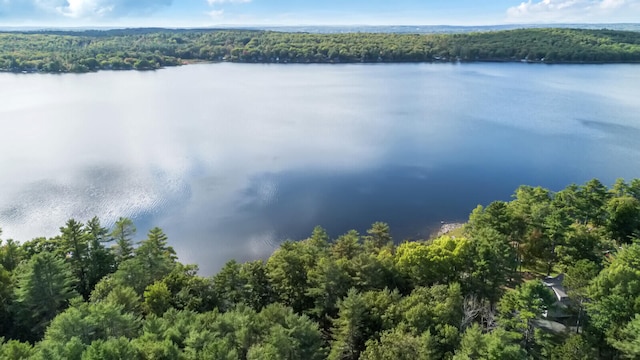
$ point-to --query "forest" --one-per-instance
(148, 49)
(478, 293)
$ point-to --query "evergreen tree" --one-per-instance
(101, 261)
(76, 249)
(350, 328)
(44, 289)
(123, 232)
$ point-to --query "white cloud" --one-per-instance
(215, 2)
(85, 9)
(588, 11)
(216, 14)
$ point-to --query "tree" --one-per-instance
(501, 345)
(429, 308)
(350, 331)
(157, 298)
(15, 350)
(190, 291)
(623, 222)
(328, 283)
(6, 298)
(125, 297)
(593, 197)
(620, 188)
(287, 270)
(123, 232)
(556, 227)
(229, 286)
(76, 248)
(101, 261)
(90, 322)
(10, 254)
(496, 216)
(577, 281)
(575, 347)
(319, 238)
(492, 264)
(258, 290)
(399, 345)
(44, 289)
(347, 246)
(378, 236)
(581, 243)
(629, 341)
(412, 261)
(153, 260)
(519, 307)
(615, 293)
(289, 336)
(111, 349)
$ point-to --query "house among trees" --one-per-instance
(560, 307)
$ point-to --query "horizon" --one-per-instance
(272, 13)
(318, 26)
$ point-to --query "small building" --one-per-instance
(560, 307)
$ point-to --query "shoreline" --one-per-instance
(446, 228)
(200, 62)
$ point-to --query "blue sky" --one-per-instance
(186, 13)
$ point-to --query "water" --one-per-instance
(231, 159)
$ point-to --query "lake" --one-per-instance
(231, 159)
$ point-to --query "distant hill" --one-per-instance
(337, 29)
(439, 29)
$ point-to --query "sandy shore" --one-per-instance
(446, 228)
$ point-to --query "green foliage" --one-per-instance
(188, 290)
(378, 236)
(519, 307)
(574, 347)
(287, 271)
(146, 49)
(76, 248)
(15, 350)
(111, 349)
(398, 345)
(6, 299)
(153, 260)
(444, 260)
(157, 298)
(629, 341)
(101, 261)
(615, 293)
(328, 282)
(623, 221)
(44, 289)
(288, 336)
(351, 332)
(431, 308)
(90, 322)
(10, 254)
(492, 264)
(123, 233)
(581, 243)
(356, 297)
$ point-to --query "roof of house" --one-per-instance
(555, 284)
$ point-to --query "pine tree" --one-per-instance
(44, 289)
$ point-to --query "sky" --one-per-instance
(197, 13)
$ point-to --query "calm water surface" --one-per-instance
(230, 159)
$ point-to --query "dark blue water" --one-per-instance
(231, 159)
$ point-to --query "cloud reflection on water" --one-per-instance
(231, 159)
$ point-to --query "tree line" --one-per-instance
(91, 293)
(146, 49)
